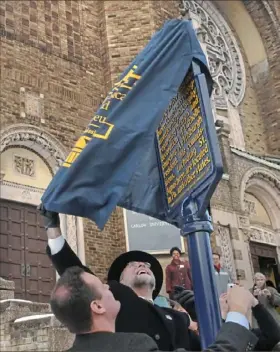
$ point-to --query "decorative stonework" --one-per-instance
(2, 175)
(21, 193)
(250, 207)
(26, 195)
(240, 273)
(243, 222)
(246, 235)
(226, 249)
(265, 186)
(234, 235)
(237, 254)
(24, 166)
(39, 141)
(225, 59)
(262, 236)
(258, 173)
(31, 104)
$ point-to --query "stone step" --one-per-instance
(12, 309)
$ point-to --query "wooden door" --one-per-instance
(256, 264)
(23, 252)
(40, 275)
(12, 243)
(263, 250)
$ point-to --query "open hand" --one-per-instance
(240, 300)
(266, 292)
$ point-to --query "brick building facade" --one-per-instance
(58, 60)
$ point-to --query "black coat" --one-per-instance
(231, 338)
(167, 327)
(268, 332)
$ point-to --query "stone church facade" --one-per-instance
(58, 60)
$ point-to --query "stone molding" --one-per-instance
(258, 234)
(37, 140)
(258, 173)
(254, 158)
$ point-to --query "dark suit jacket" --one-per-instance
(268, 332)
(167, 327)
(232, 338)
(110, 342)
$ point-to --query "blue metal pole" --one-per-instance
(197, 231)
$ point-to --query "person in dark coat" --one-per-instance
(177, 273)
(135, 279)
(87, 308)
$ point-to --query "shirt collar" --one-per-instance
(147, 299)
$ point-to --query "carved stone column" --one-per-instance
(226, 249)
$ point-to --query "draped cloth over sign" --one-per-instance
(114, 161)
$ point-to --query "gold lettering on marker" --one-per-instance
(183, 146)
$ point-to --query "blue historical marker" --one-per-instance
(191, 167)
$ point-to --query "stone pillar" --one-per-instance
(223, 132)
(7, 289)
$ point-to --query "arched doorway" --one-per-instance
(261, 204)
(29, 159)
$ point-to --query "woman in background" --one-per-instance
(268, 296)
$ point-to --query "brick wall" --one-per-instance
(58, 49)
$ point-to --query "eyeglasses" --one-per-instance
(135, 264)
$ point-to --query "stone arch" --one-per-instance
(265, 185)
(236, 13)
(37, 140)
(53, 153)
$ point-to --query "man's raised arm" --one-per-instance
(58, 250)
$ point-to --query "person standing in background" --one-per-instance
(178, 273)
(222, 276)
(267, 296)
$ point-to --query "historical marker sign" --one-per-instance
(190, 160)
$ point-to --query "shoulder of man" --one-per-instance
(140, 342)
(235, 336)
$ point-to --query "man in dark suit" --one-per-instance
(135, 279)
(88, 308)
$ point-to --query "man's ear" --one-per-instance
(97, 307)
